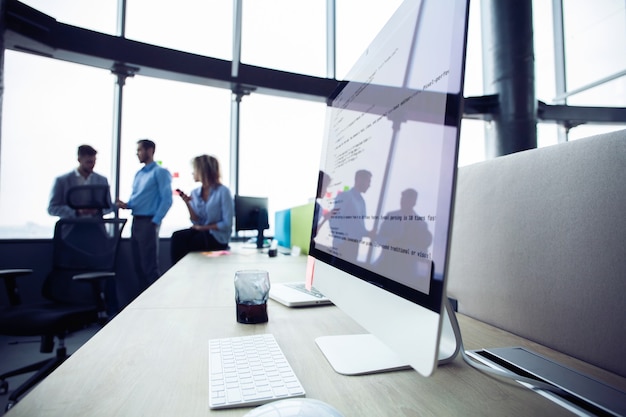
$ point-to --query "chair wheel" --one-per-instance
(9, 405)
(4, 387)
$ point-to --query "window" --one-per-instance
(595, 38)
(357, 23)
(197, 26)
(472, 141)
(98, 15)
(50, 107)
(286, 35)
(593, 35)
(280, 150)
(184, 120)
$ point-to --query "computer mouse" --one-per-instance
(295, 407)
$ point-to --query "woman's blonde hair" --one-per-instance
(208, 167)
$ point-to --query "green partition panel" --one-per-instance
(301, 224)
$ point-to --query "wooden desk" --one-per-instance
(151, 360)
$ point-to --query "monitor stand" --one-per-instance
(361, 354)
(260, 239)
(262, 219)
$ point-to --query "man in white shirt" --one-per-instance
(83, 175)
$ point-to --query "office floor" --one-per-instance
(16, 352)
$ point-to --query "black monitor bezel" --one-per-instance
(244, 207)
(431, 301)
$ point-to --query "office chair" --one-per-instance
(84, 258)
(95, 196)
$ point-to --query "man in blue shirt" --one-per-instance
(347, 223)
(149, 201)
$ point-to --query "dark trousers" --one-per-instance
(145, 245)
(190, 240)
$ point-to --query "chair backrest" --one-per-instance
(81, 245)
(92, 196)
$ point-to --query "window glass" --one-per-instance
(97, 15)
(280, 150)
(50, 107)
(595, 32)
(547, 134)
(543, 30)
(184, 120)
(612, 93)
(472, 141)
(357, 23)
(545, 76)
(587, 130)
(286, 35)
(198, 26)
(473, 85)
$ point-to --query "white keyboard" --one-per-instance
(248, 371)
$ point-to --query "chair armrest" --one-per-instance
(93, 275)
(9, 275)
(96, 279)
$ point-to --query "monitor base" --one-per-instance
(360, 354)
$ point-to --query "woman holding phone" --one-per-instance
(210, 211)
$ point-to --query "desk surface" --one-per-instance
(152, 359)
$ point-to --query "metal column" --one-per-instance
(235, 98)
(2, 25)
(510, 58)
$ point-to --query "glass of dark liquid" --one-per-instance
(252, 288)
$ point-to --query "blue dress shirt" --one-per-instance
(152, 192)
(217, 209)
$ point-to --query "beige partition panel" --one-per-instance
(539, 246)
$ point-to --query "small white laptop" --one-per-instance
(295, 294)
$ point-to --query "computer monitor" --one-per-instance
(390, 159)
(251, 214)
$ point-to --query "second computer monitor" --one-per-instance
(251, 214)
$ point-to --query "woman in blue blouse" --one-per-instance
(210, 210)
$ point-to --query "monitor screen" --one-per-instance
(251, 214)
(387, 181)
